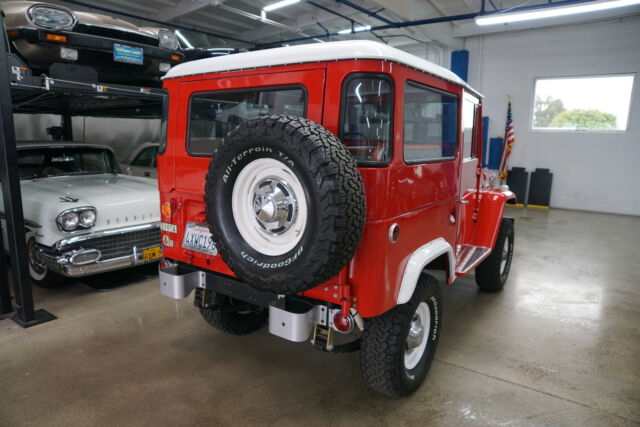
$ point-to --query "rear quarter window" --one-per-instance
(214, 114)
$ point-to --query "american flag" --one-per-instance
(509, 139)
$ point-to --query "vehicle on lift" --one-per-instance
(193, 53)
(315, 185)
(73, 45)
(142, 162)
(82, 215)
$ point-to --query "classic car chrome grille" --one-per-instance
(113, 33)
(119, 245)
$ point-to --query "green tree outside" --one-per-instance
(546, 111)
(584, 119)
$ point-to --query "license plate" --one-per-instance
(131, 55)
(152, 253)
(197, 238)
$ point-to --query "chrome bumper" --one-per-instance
(100, 252)
(61, 265)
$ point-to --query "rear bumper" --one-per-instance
(291, 318)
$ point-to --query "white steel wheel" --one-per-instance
(269, 207)
(37, 270)
(418, 336)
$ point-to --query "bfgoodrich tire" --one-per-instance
(493, 271)
(285, 203)
(397, 347)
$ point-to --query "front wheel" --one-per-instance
(492, 273)
(397, 347)
(38, 271)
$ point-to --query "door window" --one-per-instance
(469, 126)
(430, 124)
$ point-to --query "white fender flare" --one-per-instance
(419, 259)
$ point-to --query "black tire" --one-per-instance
(384, 342)
(39, 274)
(250, 319)
(490, 276)
(333, 192)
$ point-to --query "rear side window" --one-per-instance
(366, 118)
(430, 124)
(212, 115)
(146, 157)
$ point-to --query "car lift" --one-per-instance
(21, 92)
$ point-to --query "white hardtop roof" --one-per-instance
(316, 52)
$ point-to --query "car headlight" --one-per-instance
(167, 39)
(68, 221)
(75, 218)
(88, 218)
(51, 16)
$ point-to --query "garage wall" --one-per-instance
(592, 171)
(123, 135)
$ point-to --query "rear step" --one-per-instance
(470, 256)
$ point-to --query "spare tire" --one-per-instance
(285, 203)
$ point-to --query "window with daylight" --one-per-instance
(593, 103)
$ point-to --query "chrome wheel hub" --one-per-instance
(275, 205)
(416, 333)
(269, 207)
(418, 336)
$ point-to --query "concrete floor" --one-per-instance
(560, 346)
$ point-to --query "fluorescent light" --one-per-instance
(278, 5)
(184, 39)
(357, 29)
(552, 12)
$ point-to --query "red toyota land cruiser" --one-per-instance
(312, 186)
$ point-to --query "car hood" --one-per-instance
(111, 22)
(120, 201)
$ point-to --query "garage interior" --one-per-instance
(558, 346)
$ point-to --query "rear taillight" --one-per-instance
(164, 264)
(343, 324)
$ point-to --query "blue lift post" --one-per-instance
(26, 315)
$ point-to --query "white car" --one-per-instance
(82, 214)
(142, 162)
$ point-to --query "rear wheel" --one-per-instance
(492, 273)
(233, 316)
(398, 346)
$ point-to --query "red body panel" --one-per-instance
(420, 198)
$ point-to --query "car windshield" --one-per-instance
(42, 162)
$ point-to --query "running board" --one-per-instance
(469, 257)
